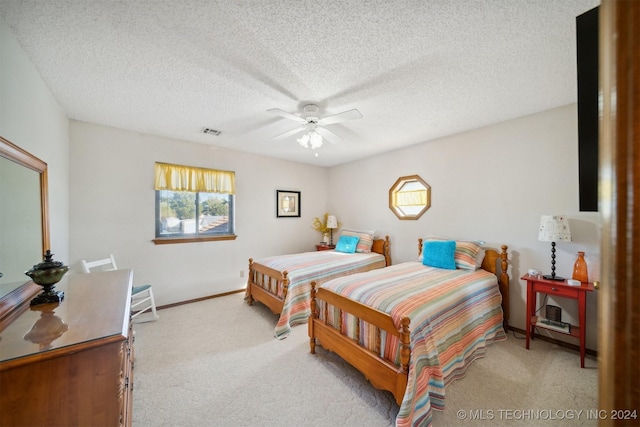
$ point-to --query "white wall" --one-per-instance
(31, 118)
(489, 184)
(113, 210)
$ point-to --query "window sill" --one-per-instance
(173, 240)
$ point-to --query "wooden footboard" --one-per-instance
(267, 285)
(381, 373)
(270, 286)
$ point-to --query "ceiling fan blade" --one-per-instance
(289, 133)
(340, 117)
(286, 115)
(332, 137)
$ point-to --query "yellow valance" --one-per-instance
(188, 178)
(411, 198)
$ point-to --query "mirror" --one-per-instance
(24, 222)
(409, 197)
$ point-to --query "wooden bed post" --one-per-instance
(314, 315)
(285, 284)
(387, 250)
(504, 285)
(405, 339)
(248, 297)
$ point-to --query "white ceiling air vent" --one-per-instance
(211, 131)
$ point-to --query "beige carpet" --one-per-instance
(216, 363)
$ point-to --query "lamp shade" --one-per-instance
(554, 228)
(332, 222)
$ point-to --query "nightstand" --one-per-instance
(558, 288)
(324, 247)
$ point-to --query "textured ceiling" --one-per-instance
(415, 69)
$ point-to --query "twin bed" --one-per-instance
(283, 282)
(410, 328)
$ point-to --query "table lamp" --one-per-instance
(554, 228)
(332, 223)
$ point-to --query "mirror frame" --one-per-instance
(10, 151)
(395, 188)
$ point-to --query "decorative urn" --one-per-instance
(47, 274)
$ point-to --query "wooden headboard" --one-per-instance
(381, 246)
(490, 263)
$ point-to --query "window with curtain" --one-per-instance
(193, 204)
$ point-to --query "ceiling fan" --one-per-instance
(313, 125)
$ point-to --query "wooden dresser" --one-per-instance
(70, 364)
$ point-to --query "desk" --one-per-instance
(558, 288)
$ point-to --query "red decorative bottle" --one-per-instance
(580, 269)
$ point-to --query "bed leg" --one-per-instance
(314, 315)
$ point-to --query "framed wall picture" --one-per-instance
(287, 203)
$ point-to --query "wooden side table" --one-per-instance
(558, 288)
(323, 247)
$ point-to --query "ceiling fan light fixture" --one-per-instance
(304, 140)
(311, 140)
(315, 139)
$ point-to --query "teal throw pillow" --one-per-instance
(347, 244)
(439, 254)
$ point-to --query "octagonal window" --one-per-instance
(409, 197)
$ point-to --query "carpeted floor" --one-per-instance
(216, 363)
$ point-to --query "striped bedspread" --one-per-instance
(454, 315)
(319, 266)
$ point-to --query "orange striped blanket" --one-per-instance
(454, 315)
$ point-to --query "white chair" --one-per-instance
(141, 296)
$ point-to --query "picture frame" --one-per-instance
(287, 204)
